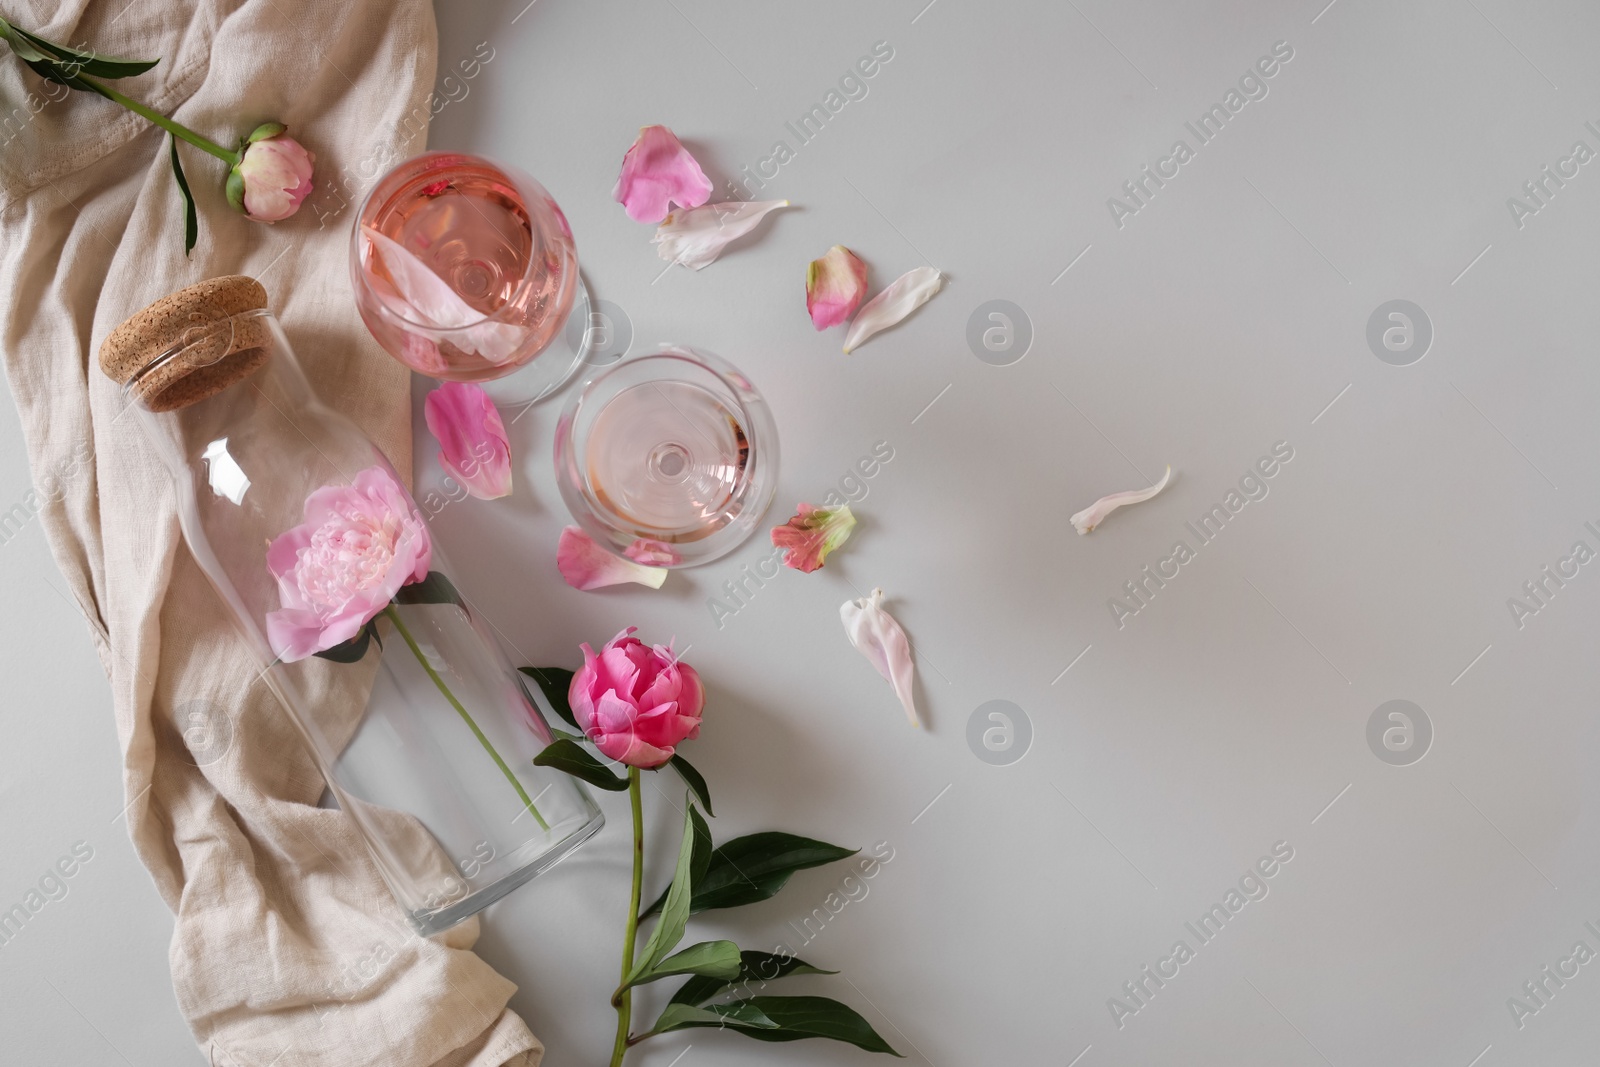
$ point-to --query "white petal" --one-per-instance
(420, 296)
(696, 236)
(877, 635)
(902, 296)
(1095, 513)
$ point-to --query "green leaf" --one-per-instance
(791, 1019)
(683, 1016)
(567, 755)
(693, 852)
(749, 869)
(19, 44)
(75, 60)
(758, 968)
(694, 780)
(434, 589)
(555, 683)
(352, 650)
(716, 960)
(191, 220)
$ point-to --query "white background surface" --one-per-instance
(1225, 316)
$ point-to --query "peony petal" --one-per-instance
(879, 637)
(835, 285)
(473, 446)
(658, 172)
(653, 553)
(585, 565)
(1095, 513)
(697, 236)
(903, 296)
(811, 534)
(415, 293)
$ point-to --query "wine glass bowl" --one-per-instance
(464, 269)
(669, 459)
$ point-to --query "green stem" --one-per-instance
(625, 1004)
(527, 802)
(181, 132)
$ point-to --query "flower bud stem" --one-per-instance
(625, 1002)
(416, 650)
(183, 133)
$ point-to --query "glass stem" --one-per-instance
(177, 130)
(411, 642)
(625, 1001)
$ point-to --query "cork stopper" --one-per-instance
(191, 344)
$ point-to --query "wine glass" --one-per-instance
(464, 270)
(669, 459)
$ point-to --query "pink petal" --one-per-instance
(835, 285)
(879, 637)
(811, 534)
(658, 172)
(473, 446)
(653, 553)
(585, 565)
(1095, 513)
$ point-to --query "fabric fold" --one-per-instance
(287, 947)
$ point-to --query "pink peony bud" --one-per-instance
(272, 177)
(473, 447)
(635, 703)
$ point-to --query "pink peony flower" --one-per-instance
(635, 703)
(272, 177)
(835, 285)
(359, 544)
(811, 534)
(657, 172)
(472, 438)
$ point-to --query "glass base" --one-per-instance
(545, 374)
(437, 920)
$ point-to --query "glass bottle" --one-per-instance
(424, 732)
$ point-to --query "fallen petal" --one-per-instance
(835, 285)
(585, 565)
(653, 553)
(413, 292)
(658, 172)
(697, 236)
(1095, 513)
(879, 637)
(811, 534)
(473, 446)
(903, 296)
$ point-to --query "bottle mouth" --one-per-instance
(204, 360)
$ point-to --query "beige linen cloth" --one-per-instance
(287, 949)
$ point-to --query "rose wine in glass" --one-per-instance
(465, 270)
(669, 458)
